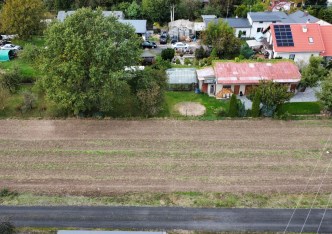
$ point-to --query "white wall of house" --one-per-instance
(259, 26)
(300, 58)
(246, 30)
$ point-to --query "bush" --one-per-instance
(31, 53)
(11, 80)
(29, 101)
(167, 54)
(200, 53)
(4, 95)
(177, 61)
(5, 192)
(241, 112)
(6, 227)
(221, 112)
(187, 61)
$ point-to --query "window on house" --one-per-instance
(292, 56)
(260, 22)
(259, 29)
(226, 86)
(311, 40)
(274, 22)
(244, 33)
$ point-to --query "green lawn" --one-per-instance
(211, 104)
(300, 108)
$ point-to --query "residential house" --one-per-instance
(299, 41)
(225, 78)
(138, 25)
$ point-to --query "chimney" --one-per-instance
(304, 28)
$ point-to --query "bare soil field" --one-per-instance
(88, 157)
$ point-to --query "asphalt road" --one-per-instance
(166, 218)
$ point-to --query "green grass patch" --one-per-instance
(35, 40)
(211, 104)
(25, 68)
(300, 108)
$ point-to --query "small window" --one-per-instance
(274, 22)
(260, 22)
(292, 56)
(226, 86)
(244, 33)
(259, 29)
(311, 40)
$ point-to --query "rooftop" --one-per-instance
(181, 75)
(269, 16)
(302, 17)
(139, 25)
(326, 31)
(306, 38)
(252, 73)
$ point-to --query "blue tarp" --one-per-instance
(4, 55)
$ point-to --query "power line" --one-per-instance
(305, 188)
(320, 186)
(327, 205)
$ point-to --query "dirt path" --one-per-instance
(190, 108)
(104, 157)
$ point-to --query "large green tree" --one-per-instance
(325, 95)
(313, 72)
(85, 59)
(271, 95)
(221, 36)
(22, 17)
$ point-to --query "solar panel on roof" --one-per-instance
(283, 35)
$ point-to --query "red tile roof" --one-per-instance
(252, 73)
(301, 39)
(326, 31)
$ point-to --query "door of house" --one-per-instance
(293, 88)
(247, 90)
(236, 89)
(211, 89)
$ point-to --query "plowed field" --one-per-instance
(86, 157)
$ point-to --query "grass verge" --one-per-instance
(182, 199)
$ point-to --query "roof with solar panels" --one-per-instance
(297, 38)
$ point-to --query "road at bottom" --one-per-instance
(168, 218)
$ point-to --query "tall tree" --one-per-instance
(233, 107)
(271, 95)
(85, 59)
(313, 72)
(221, 36)
(325, 96)
(22, 17)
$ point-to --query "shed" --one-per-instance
(148, 57)
(182, 78)
(6, 55)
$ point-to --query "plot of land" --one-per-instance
(87, 157)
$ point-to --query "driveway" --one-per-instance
(309, 95)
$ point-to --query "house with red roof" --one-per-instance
(299, 41)
(225, 78)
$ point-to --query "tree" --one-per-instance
(313, 73)
(133, 11)
(11, 80)
(271, 95)
(221, 36)
(167, 54)
(149, 86)
(85, 59)
(255, 109)
(22, 17)
(233, 107)
(241, 11)
(325, 96)
(246, 51)
(326, 14)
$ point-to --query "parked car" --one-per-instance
(180, 45)
(163, 39)
(10, 47)
(148, 44)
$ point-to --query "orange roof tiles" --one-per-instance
(301, 34)
(252, 73)
(326, 31)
